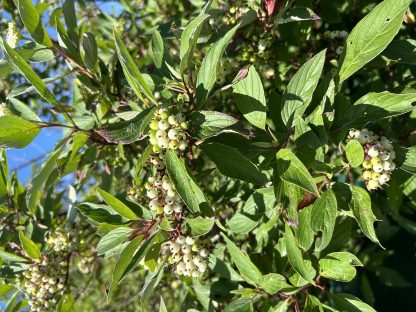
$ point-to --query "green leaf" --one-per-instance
(35, 189)
(292, 170)
(19, 64)
(406, 158)
(313, 304)
(126, 132)
(89, 45)
(16, 132)
(347, 302)
(323, 216)
(71, 22)
(281, 306)
(131, 71)
(272, 283)
(208, 71)
(160, 53)
(239, 305)
(101, 213)
(33, 23)
(29, 247)
(185, 185)
(199, 226)
(232, 163)
(304, 233)
(247, 269)
(339, 266)
(121, 208)
(189, 39)
(22, 110)
(162, 305)
(361, 209)
(9, 257)
(254, 209)
(372, 35)
(124, 261)
(150, 286)
(205, 124)
(113, 239)
(250, 99)
(300, 89)
(355, 153)
(375, 106)
(303, 267)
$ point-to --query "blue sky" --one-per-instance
(46, 140)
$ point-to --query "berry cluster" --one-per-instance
(12, 37)
(162, 196)
(379, 157)
(167, 131)
(337, 37)
(45, 278)
(189, 256)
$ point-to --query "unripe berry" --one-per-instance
(189, 240)
(154, 204)
(168, 209)
(184, 125)
(186, 249)
(372, 185)
(164, 116)
(203, 253)
(367, 164)
(195, 273)
(183, 145)
(375, 176)
(161, 134)
(367, 175)
(180, 240)
(388, 165)
(173, 145)
(180, 117)
(375, 161)
(152, 193)
(163, 143)
(163, 125)
(173, 134)
(202, 267)
(174, 247)
(384, 178)
(373, 152)
(154, 125)
(171, 193)
(159, 210)
(378, 168)
(172, 120)
(177, 208)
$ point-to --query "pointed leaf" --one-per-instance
(30, 248)
(355, 153)
(300, 89)
(250, 99)
(121, 208)
(372, 35)
(293, 171)
(185, 185)
(16, 132)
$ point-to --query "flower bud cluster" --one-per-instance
(163, 196)
(167, 131)
(12, 37)
(379, 157)
(45, 278)
(189, 255)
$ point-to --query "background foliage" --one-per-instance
(269, 91)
